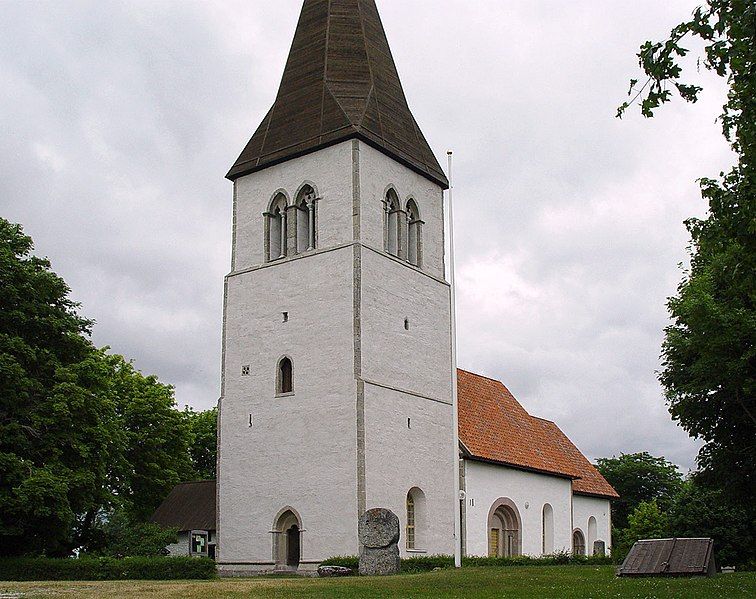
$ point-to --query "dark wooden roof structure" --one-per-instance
(189, 506)
(670, 557)
(340, 82)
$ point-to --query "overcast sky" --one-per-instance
(119, 120)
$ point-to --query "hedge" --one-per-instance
(107, 568)
(431, 562)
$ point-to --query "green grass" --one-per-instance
(562, 582)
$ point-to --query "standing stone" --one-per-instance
(379, 535)
(599, 548)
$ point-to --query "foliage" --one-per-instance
(702, 512)
(107, 568)
(412, 565)
(639, 477)
(203, 443)
(646, 522)
(56, 423)
(709, 353)
(119, 536)
(82, 432)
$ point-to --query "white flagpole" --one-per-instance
(455, 417)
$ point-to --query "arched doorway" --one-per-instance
(504, 530)
(287, 540)
(578, 542)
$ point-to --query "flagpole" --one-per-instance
(455, 417)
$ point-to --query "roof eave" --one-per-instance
(240, 170)
(564, 475)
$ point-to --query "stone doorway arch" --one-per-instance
(504, 529)
(287, 540)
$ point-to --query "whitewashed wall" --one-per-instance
(583, 508)
(486, 483)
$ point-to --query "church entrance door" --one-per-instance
(292, 546)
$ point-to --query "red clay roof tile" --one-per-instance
(493, 426)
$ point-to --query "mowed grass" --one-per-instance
(561, 582)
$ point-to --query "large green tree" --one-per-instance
(639, 478)
(82, 432)
(709, 351)
(203, 441)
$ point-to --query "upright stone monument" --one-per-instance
(379, 535)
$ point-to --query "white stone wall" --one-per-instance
(486, 483)
(377, 172)
(329, 171)
(300, 451)
(583, 508)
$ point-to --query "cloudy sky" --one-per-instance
(119, 120)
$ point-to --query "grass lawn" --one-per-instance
(542, 582)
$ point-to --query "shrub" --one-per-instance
(107, 568)
(411, 565)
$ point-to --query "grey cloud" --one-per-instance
(120, 119)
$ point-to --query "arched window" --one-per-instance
(392, 223)
(275, 234)
(284, 376)
(578, 542)
(305, 204)
(414, 234)
(591, 535)
(415, 530)
(547, 547)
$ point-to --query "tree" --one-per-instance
(699, 511)
(56, 427)
(709, 351)
(119, 536)
(82, 432)
(638, 478)
(646, 521)
(203, 441)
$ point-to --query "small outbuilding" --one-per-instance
(670, 557)
(190, 507)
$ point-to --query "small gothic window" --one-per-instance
(276, 228)
(414, 234)
(305, 219)
(285, 376)
(392, 223)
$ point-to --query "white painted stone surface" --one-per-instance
(583, 508)
(486, 483)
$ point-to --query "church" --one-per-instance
(337, 363)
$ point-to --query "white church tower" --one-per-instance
(337, 374)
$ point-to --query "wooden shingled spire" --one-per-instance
(340, 82)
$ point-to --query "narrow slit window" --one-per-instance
(285, 376)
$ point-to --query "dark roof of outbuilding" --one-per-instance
(189, 506)
(340, 82)
(671, 557)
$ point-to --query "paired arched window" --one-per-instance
(402, 229)
(415, 529)
(290, 229)
(547, 546)
(284, 376)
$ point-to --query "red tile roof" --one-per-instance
(494, 427)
